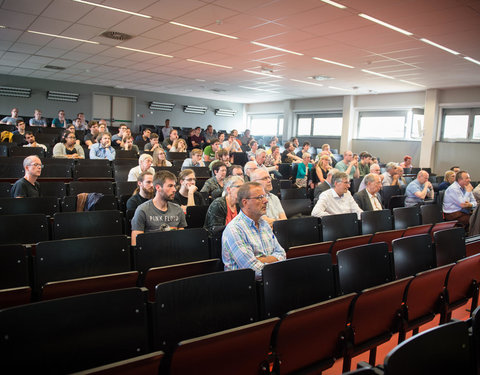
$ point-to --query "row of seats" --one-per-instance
(372, 307)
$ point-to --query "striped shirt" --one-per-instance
(243, 243)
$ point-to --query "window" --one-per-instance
(405, 124)
(461, 124)
(266, 124)
(328, 124)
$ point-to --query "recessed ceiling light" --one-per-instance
(212, 64)
(412, 83)
(203, 30)
(334, 4)
(338, 88)
(2, 27)
(262, 74)
(405, 32)
(439, 46)
(333, 62)
(62, 37)
(257, 89)
(308, 83)
(142, 51)
(199, 80)
(112, 8)
(472, 60)
(377, 74)
(277, 48)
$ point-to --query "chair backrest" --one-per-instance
(319, 326)
(196, 216)
(14, 269)
(294, 207)
(87, 224)
(155, 249)
(387, 237)
(120, 172)
(418, 229)
(41, 205)
(396, 201)
(387, 192)
(11, 170)
(296, 283)
(363, 267)
(56, 189)
(107, 202)
(310, 249)
(104, 187)
(431, 213)
(81, 257)
(126, 154)
(57, 171)
(217, 354)
(285, 169)
(449, 245)
(27, 151)
(158, 275)
(376, 221)
(405, 217)
(176, 155)
(412, 255)
(5, 188)
(240, 158)
(293, 193)
(23, 228)
(462, 281)
(15, 296)
(203, 172)
(345, 243)
(125, 188)
(199, 305)
(69, 334)
(445, 349)
(295, 232)
(339, 226)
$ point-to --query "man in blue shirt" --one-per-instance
(459, 201)
(13, 119)
(103, 148)
(418, 190)
(248, 241)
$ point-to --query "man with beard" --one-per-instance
(160, 213)
(248, 241)
(143, 192)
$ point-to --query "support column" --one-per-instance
(430, 124)
(288, 120)
(348, 123)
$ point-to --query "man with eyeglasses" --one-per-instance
(275, 210)
(27, 186)
(248, 241)
(337, 200)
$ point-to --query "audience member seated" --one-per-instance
(248, 168)
(375, 169)
(210, 134)
(348, 165)
(159, 213)
(82, 125)
(127, 144)
(210, 152)
(418, 190)
(231, 145)
(13, 119)
(37, 119)
(68, 147)
(325, 185)
(102, 128)
(295, 143)
(235, 170)
(235, 134)
(273, 142)
(27, 186)
(248, 240)
(476, 193)
(179, 145)
(274, 158)
(392, 175)
(246, 138)
(302, 177)
(103, 148)
(407, 162)
(459, 201)
(305, 148)
(326, 150)
(166, 129)
(143, 192)
(195, 159)
(191, 133)
(369, 199)
(288, 156)
(215, 182)
(455, 168)
(117, 139)
(253, 145)
(448, 179)
(91, 138)
(31, 142)
(197, 138)
(19, 134)
(337, 200)
(144, 137)
(60, 121)
(221, 139)
(187, 194)
(153, 144)
(365, 162)
(168, 142)
(322, 167)
(274, 210)
(223, 156)
(160, 158)
(144, 165)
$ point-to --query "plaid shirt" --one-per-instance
(243, 243)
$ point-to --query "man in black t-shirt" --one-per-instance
(144, 191)
(28, 186)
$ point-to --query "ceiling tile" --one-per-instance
(171, 9)
(25, 6)
(66, 10)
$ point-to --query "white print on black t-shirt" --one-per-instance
(165, 219)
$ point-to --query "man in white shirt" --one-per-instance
(369, 199)
(375, 169)
(392, 175)
(31, 142)
(337, 200)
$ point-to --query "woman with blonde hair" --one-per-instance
(160, 158)
(447, 180)
(179, 145)
(322, 167)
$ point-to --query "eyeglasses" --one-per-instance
(36, 165)
(190, 179)
(259, 198)
(266, 178)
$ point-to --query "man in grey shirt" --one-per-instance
(159, 214)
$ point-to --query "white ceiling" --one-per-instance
(310, 27)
